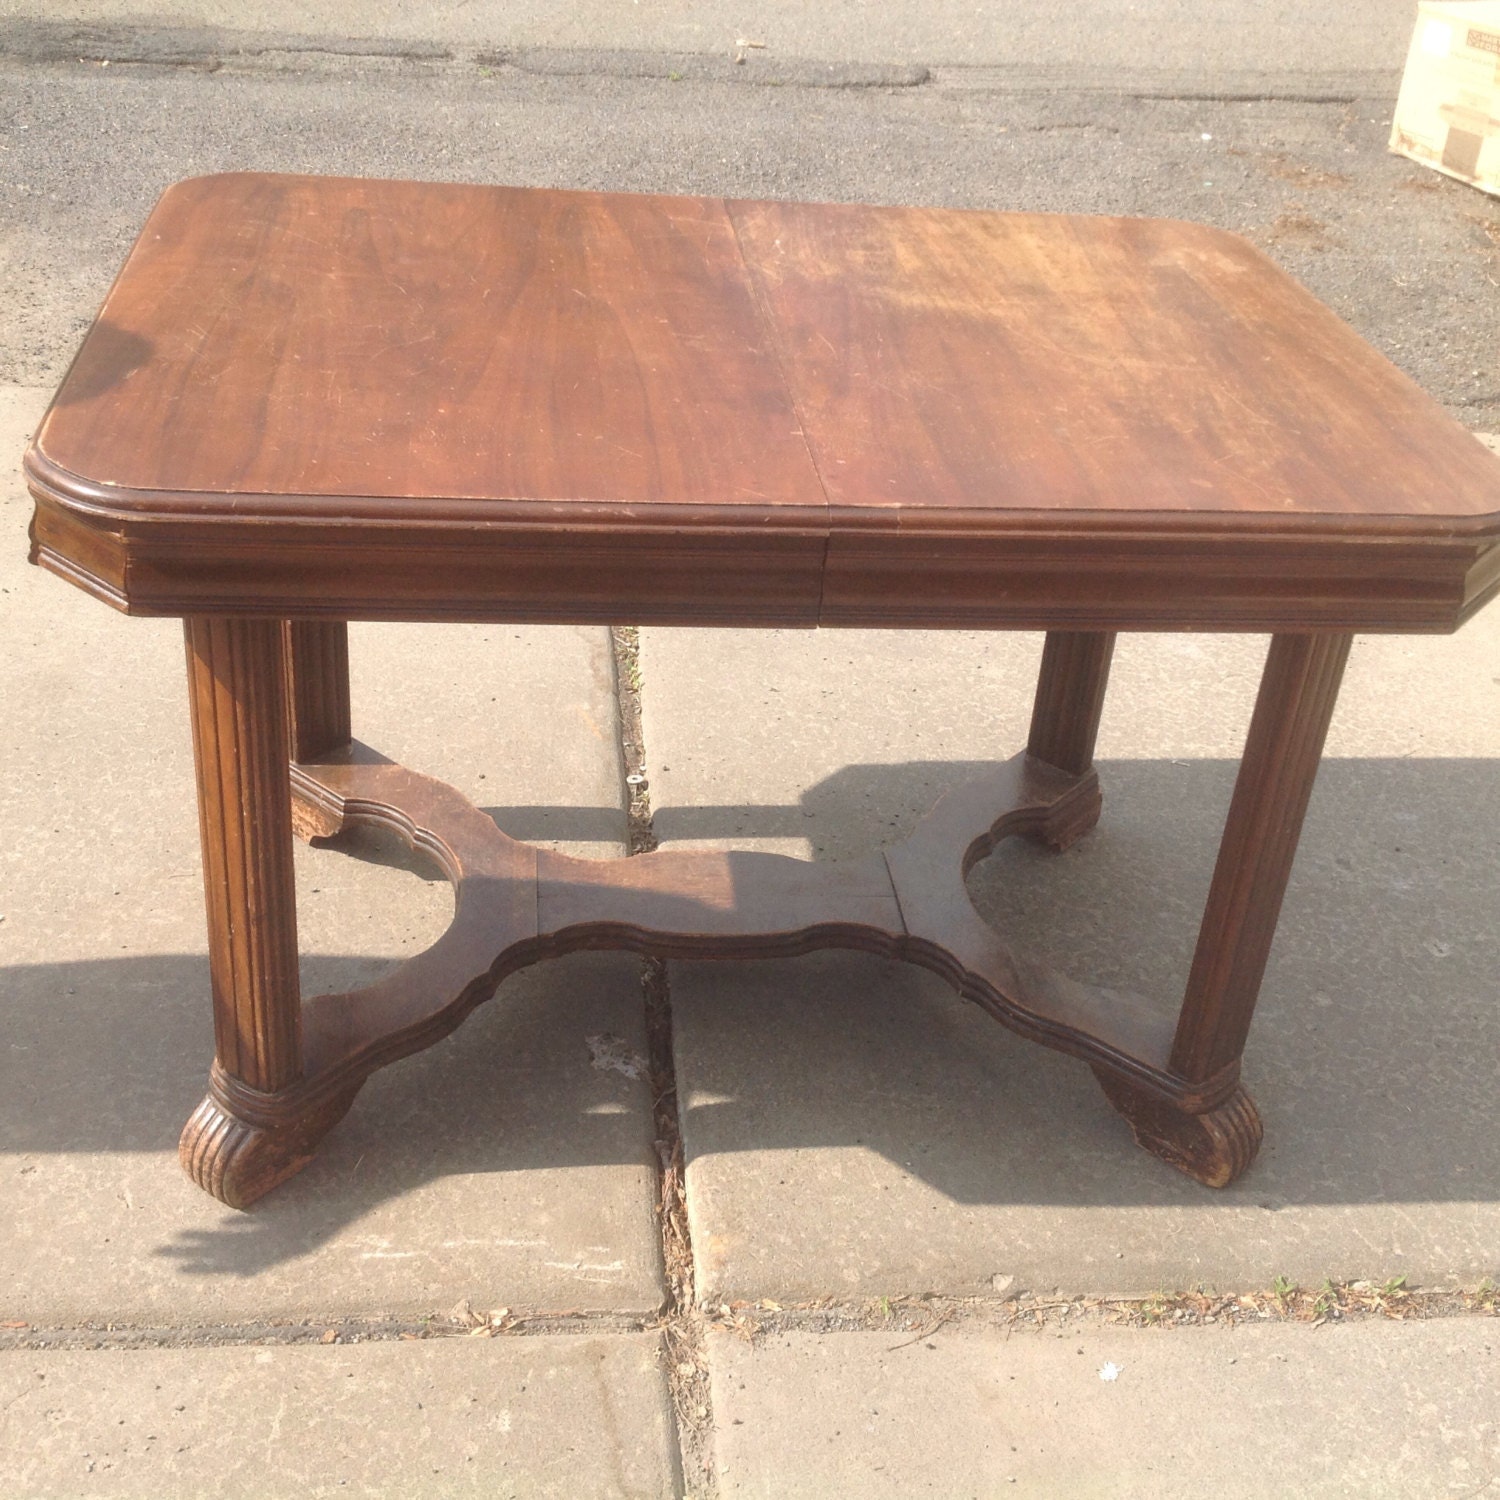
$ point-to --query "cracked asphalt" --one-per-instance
(1308, 36)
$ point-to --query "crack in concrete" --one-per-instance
(682, 1325)
(315, 1330)
(1019, 1311)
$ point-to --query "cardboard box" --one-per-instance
(1448, 115)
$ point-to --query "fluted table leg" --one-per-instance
(318, 716)
(1212, 1130)
(242, 1140)
(1065, 716)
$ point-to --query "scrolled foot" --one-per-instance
(1214, 1147)
(238, 1162)
(1073, 817)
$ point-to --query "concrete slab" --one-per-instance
(499, 1166)
(852, 1128)
(557, 1416)
(1374, 1409)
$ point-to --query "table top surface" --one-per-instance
(282, 344)
(392, 400)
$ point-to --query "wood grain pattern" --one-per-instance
(1214, 1146)
(711, 904)
(1070, 698)
(516, 905)
(317, 664)
(589, 407)
(945, 360)
(273, 1096)
(315, 400)
(239, 1163)
(1101, 574)
(582, 573)
(683, 904)
(237, 693)
(1282, 751)
(326, 338)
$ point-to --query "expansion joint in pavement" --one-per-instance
(683, 1327)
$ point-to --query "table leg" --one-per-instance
(278, 1084)
(1212, 1130)
(317, 659)
(244, 1138)
(317, 685)
(1065, 717)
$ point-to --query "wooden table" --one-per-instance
(312, 400)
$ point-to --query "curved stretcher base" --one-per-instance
(516, 905)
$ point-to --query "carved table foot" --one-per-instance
(1214, 1147)
(1070, 824)
(237, 1161)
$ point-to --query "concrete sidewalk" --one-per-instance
(1104, 1415)
(103, 958)
(480, 1242)
(850, 1124)
(556, 1417)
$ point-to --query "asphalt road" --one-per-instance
(1204, 36)
(1410, 258)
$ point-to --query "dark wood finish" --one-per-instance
(373, 331)
(235, 1145)
(946, 934)
(1297, 693)
(1065, 714)
(1285, 743)
(671, 572)
(1214, 1145)
(314, 400)
(317, 660)
(1070, 698)
(237, 695)
(1200, 578)
(750, 413)
(318, 708)
(516, 905)
(980, 364)
(493, 933)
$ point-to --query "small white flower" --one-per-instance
(1109, 1371)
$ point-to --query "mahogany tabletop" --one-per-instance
(313, 396)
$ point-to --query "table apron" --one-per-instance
(789, 578)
